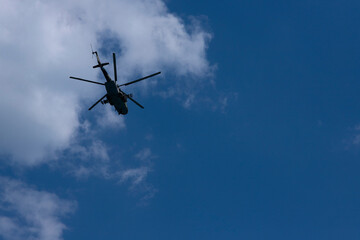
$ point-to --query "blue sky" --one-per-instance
(251, 132)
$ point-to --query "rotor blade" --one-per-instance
(81, 79)
(97, 102)
(140, 79)
(114, 59)
(135, 102)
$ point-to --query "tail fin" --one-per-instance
(98, 59)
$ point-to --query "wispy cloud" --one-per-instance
(93, 158)
(137, 176)
(89, 159)
(29, 214)
(144, 154)
(134, 175)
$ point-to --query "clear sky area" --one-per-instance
(251, 131)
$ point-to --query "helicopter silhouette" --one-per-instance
(114, 95)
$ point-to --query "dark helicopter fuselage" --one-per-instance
(114, 95)
(116, 98)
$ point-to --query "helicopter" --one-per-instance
(114, 95)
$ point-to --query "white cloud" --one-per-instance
(134, 175)
(189, 100)
(91, 159)
(43, 42)
(96, 160)
(144, 155)
(108, 118)
(31, 214)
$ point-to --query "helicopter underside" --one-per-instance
(119, 104)
(116, 98)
